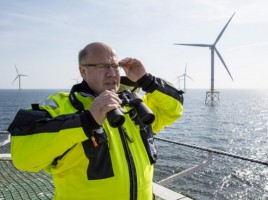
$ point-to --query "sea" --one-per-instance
(238, 125)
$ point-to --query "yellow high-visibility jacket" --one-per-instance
(89, 162)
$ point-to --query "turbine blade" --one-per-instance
(219, 55)
(16, 70)
(196, 45)
(15, 79)
(219, 36)
(23, 75)
(180, 76)
(190, 77)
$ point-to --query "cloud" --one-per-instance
(249, 46)
(253, 12)
(247, 11)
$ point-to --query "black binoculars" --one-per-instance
(116, 117)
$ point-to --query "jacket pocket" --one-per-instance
(100, 165)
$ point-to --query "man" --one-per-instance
(69, 136)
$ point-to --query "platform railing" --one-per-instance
(188, 171)
(6, 141)
(215, 151)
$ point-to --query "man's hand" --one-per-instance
(133, 68)
(102, 104)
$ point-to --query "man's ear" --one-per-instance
(82, 71)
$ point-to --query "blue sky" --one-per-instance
(42, 38)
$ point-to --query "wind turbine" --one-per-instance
(179, 82)
(212, 96)
(184, 78)
(18, 76)
(76, 80)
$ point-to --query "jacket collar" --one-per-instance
(83, 89)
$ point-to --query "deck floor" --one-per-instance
(20, 185)
(15, 184)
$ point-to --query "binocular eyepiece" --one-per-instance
(116, 117)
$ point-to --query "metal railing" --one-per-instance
(203, 164)
(6, 141)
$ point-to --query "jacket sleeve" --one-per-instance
(163, 99)
(37, 138)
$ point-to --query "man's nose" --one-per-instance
(112, 70)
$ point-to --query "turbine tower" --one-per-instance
(212, 96)
(18, 76)
(179, 82)
(184, 78)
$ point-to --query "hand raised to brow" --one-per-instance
(133, 68)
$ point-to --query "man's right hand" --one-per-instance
(102, 104)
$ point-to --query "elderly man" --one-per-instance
(69, 134)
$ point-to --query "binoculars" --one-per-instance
(116, 117)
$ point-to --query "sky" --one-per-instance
(43, 38)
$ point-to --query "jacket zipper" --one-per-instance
(131, 165)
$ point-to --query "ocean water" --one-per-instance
(238, 125)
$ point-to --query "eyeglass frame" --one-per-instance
(105, 67)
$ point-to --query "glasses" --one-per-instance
(104, 67)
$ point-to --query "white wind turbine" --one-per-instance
(76, 80)
(212, 96)
(184, 78)
(18, 76)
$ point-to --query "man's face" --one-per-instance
(103, 76)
